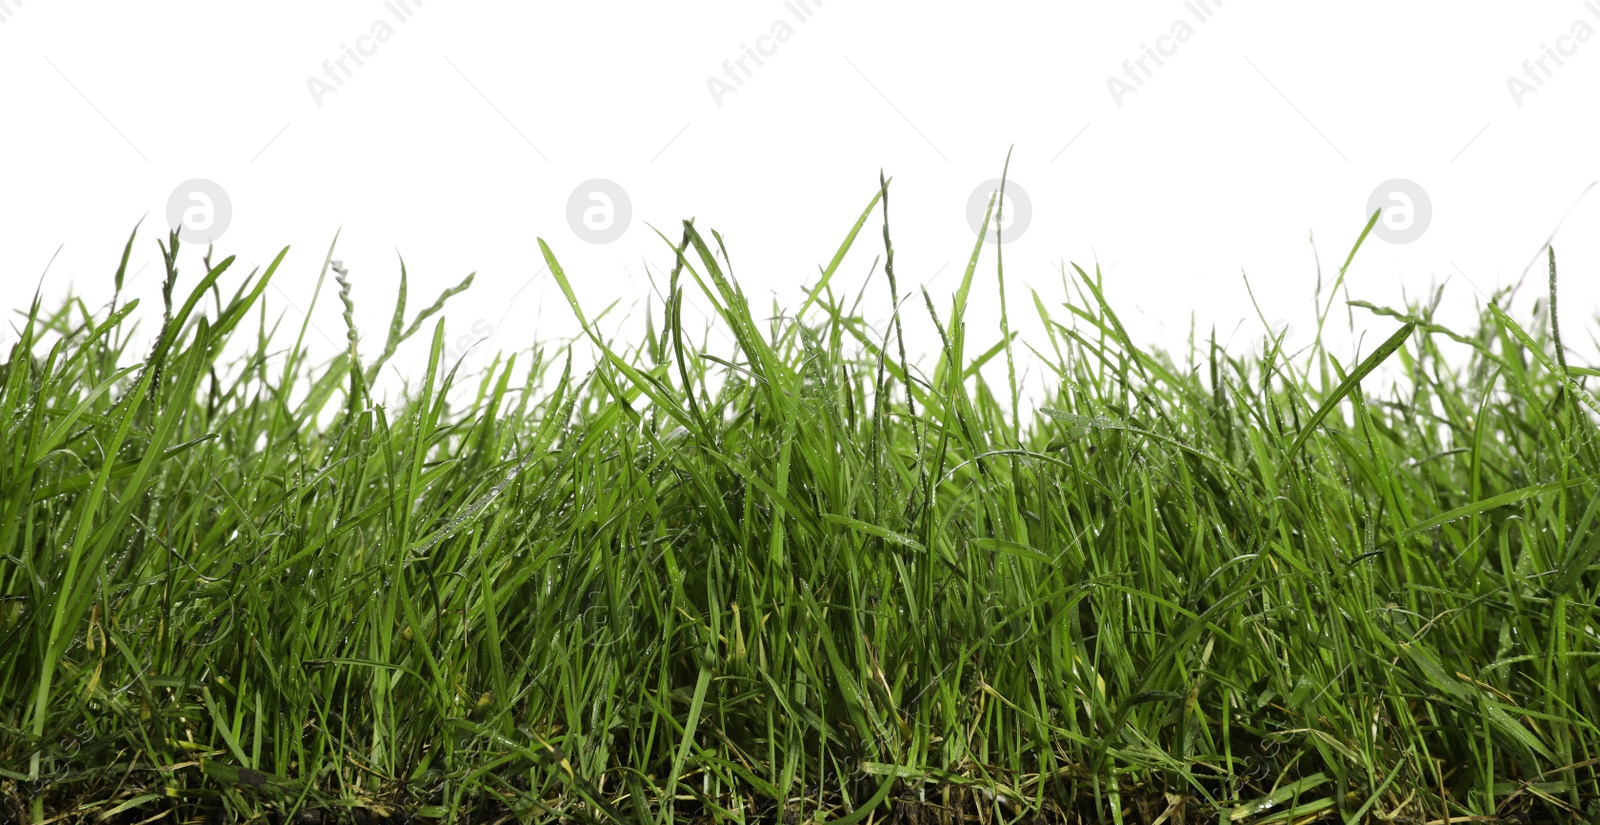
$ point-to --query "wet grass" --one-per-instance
(814, 576)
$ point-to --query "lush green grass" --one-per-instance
(787, 580)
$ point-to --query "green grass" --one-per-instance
(813, 576)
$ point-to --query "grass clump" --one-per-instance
(810, 578)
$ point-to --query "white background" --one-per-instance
(458, 142)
